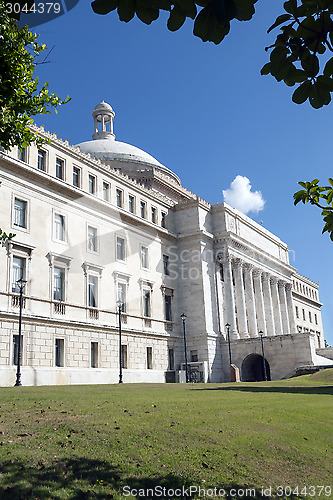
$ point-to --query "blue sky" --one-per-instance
(202, 110)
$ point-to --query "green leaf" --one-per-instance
(290, 6)
(146, 15)
(280, 20)
(126, 10)
(301, 94)
(176, 19)
(328, 70)
(104, 6)
(265, 70)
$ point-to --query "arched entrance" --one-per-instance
(253, 369)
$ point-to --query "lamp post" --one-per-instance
(183, 318)
(228, 335)
(263, 354)
(21, 283)
(119, 306)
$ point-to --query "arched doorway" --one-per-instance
(253, 369)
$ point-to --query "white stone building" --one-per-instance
(104, 221)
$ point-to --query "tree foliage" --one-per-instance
(317, 195)
(21, 96)
(298, 55)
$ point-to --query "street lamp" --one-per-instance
(120, 306)
(183, 318)
(263, 354)
(21, 283)
(228, 335)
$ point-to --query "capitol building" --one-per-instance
(104, 232)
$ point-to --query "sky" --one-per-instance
(205, 112)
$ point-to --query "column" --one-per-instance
(259, 298)
(250, 301)
(284, 310)
(230, 299)
(291, 310)
(240, 300)
(276, 306)
(269, 315)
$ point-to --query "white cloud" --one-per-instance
(240, 196)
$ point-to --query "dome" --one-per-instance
(129, 159)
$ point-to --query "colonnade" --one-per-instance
(255, 300)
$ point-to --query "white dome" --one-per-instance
(103, 106)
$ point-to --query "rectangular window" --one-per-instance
(92, 184)
(22, 154)
(144, 257)
(167, 307)
(41, 160)
(124, 356)
(92, 239)
(143, 209)
(122, 296)
(92, 291)
(94, 354)
(303, 311)
(221, 272)
(194, 356)
(106, 191)
(146, 304)
(16, 349)
(119, 198)
(59, 352)
(297, 314)
(149, 358)
(20, 213)
(316, 319)
(131, 204)
(163, 219)
(120, 248)
(58, 283)
(76, 177)
(59, 227)
(171, 365)
(18, 272)
(60, 169)
(153, 215)
(310, 317)
(166, 265)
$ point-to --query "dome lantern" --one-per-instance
(103, 116)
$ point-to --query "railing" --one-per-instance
(147, 322)
(124, 319)
(59, 308)
(16, 301)
(93, 313)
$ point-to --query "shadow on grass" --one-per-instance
(328, 389)
(85, 479)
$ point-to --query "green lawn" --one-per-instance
(89, 442)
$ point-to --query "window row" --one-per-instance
(60, 285)
(309, 292)
(311, 316)
(133, 206)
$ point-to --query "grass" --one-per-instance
(88, 442)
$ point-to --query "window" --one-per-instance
(153, 215)
(171, 365)
(41, 160)
(60, 169)
(16, 348)
(310, 317)
(146, 303)
(120, 248)
(106, 191)
(163, 219)
(303, 311)
(144, 257)
(76, 177)
(143, 209)
(18, 272)
(149, 358)
(92, 239)
(94, 354)
(92, 184)
(22, 154)
(131, 204)
(59, 227)
(167, 307)
(122, 296)
(20, 213)
(297, 313)
(221, 272)
(166, 265)
(119, 198)
(58, 283)
(124, 356)
(59, 352)
(316, 319)
(92, 291)
(194, 356)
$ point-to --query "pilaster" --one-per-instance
(250, 300)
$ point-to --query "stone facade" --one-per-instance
(105, 221)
